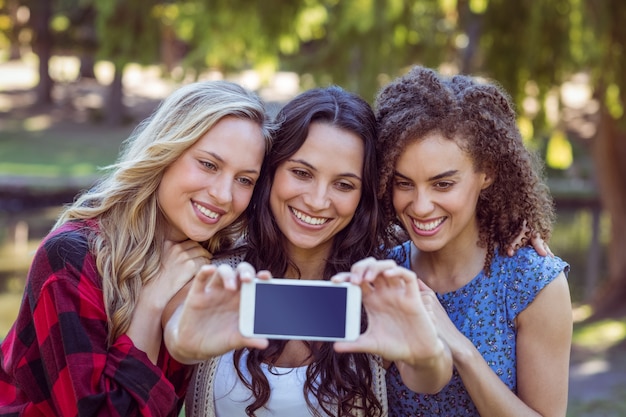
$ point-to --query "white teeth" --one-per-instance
(308, 219)
(206, 211)
(427, 227)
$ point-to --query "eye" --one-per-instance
(402, 184)
(209, 165)
(300, 173)
(443, 185)
(248, 182)
(345, 186)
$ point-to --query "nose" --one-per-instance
(317, 197)
(422, 203)
(220, 188)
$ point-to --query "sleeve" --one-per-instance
(401, 254)
(71, 369)
(532, 273)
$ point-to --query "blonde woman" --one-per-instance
(88, 338)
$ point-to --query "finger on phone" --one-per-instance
(245, 272)
(341, 277)
(359, 345)
(203, 277)
(264, 275)
(227, 276)
(255, 342)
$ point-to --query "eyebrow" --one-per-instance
(433, 178)
(221, 160)
(343, 174)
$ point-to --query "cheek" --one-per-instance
(400, 201)
(284, 188)
(348, 206)
(165, 188)
(241, 201)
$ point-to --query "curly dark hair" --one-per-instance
(333, 378)
(481, 119)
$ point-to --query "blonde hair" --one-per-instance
(130, 235)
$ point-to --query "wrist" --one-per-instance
(439, 351)
(464, 354)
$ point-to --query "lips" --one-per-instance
(314, 221)
(428, 226)
(208, 213)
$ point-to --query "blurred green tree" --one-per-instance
(531, 48)
(545, 44)
(128, 32)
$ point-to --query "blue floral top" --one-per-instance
(484, 310)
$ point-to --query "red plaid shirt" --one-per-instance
(55, 359)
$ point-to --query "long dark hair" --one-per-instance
(333, 378)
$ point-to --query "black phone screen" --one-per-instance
(297, 310)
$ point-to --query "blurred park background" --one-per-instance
(76, 76)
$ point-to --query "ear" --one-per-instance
(488, 179)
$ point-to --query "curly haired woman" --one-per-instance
(456, 177)
(88, 339)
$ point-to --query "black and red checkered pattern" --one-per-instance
(56, 361)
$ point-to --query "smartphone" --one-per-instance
(282, 308)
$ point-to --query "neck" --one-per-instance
(310, 261)
(450, 268)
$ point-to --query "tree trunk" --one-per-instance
(87, 66)
(42, 45)
(114, 109)
(609, 154)
(15, 51)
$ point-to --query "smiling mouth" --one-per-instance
(210, 214)
(315, 221)
(428, 226)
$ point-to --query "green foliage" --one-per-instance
(128, 31)
(233, 35)
(524, 41)
(362, 44)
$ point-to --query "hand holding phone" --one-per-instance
(206, 323)
(282, 308)
(400, 328)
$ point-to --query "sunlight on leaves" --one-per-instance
(60, 23)
(478, 6)
(448, 6)
(311, 23)
(559, 151)
(526, 129)
(602, 334)
(613, 101)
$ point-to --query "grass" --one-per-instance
(613, 405)
(59, 152)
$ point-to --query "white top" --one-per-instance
(209, 390)
(231, 396)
